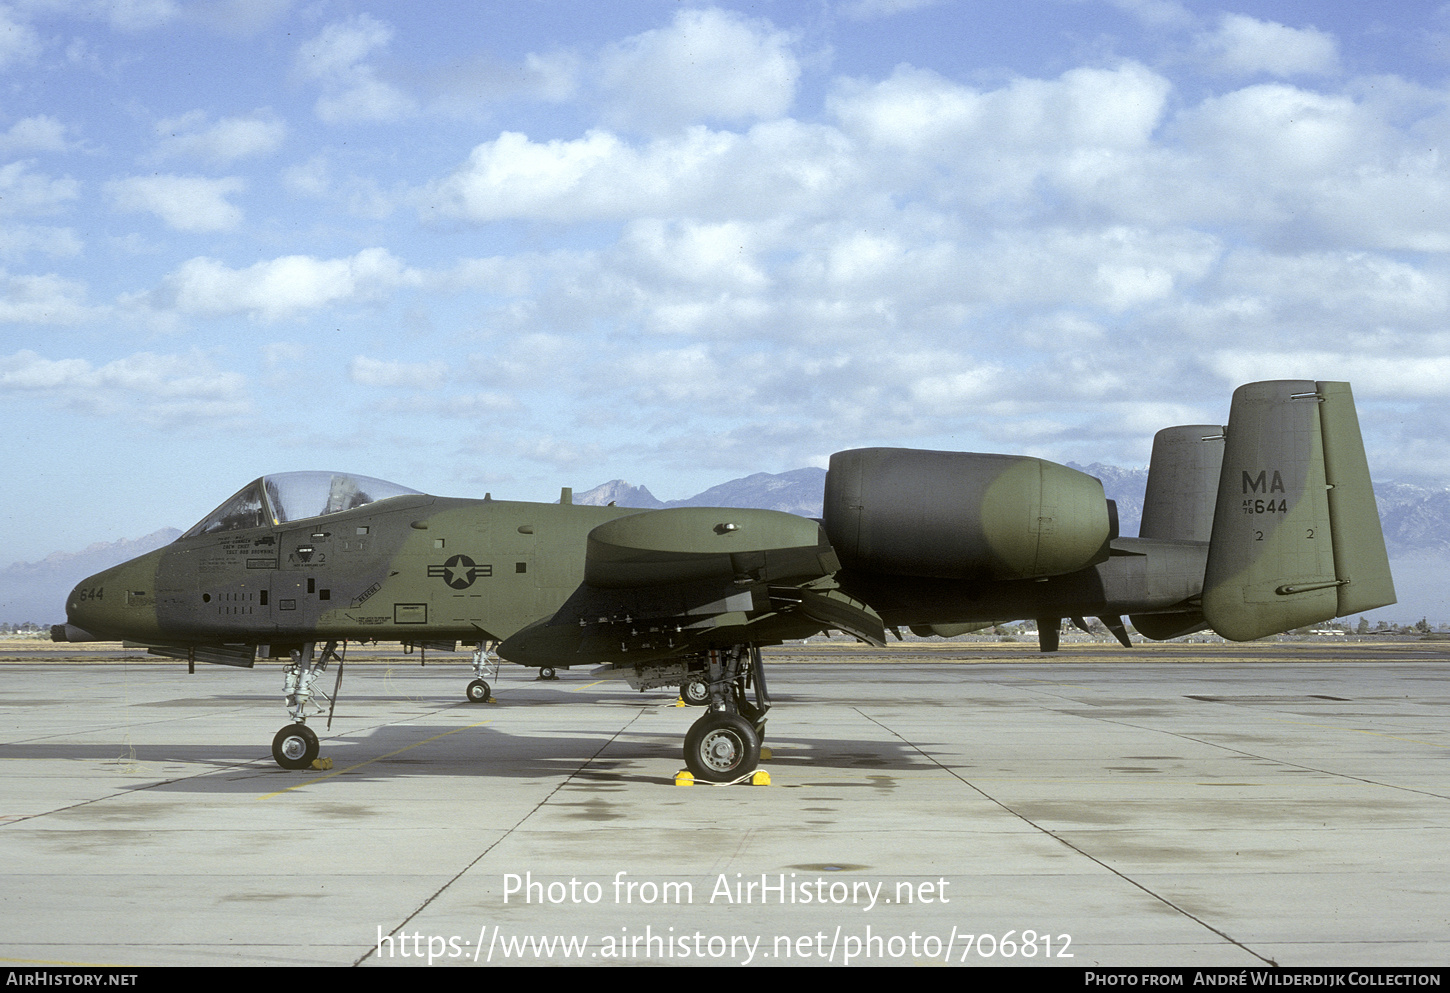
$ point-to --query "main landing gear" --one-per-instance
(296, 745)
(723, 746)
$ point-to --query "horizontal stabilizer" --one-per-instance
(1162, 627)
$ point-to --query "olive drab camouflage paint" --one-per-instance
(1265, 525)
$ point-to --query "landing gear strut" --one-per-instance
(723, 746)
(295, 746)
(484, 657)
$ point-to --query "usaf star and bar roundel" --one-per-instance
(459, 572)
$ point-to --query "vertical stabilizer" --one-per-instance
(1282, 555)
(1183, 483)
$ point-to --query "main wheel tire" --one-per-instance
(295, 746)
(721, 748)
(478, 692)
(695, 692)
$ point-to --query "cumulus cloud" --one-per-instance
(1156, 13)
(1085, 134)
(160, 390)
(20, 240)
(223, 142)
(888, 274)
(138, 15)
(552, 76)
(279, 287)
(413, 375)
(464, 85)
(351, 89)
(1276, 128)
(1302, 166)
(1374, 377)
(702, 255)
(461, 406)
(918, 110)
(311, 178)
(184, 203)
(19, 44)
(870, 10)
(776, 166)
(1245, 46)
(241, 18)
(708, 65)
(49, 299)
(26, 192)
(34, 134)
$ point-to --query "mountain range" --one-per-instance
(1416, 521)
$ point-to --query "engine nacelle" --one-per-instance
(959, 515)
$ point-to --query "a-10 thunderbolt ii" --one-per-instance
(1262, 526)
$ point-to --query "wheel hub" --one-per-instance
(721, 751)
(294, 747)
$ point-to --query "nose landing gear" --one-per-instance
(484, 657)
(296, 745)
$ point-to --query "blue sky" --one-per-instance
(514, 246)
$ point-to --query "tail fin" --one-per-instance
(1296, 535)
(1183, 483)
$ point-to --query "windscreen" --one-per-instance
(295, 496)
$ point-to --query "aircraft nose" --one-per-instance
(115, 604)
(86, 610)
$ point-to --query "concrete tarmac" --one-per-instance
(930, 803)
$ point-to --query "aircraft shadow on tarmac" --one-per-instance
(484, 751)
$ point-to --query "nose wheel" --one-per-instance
(295, 746)
(478, 691)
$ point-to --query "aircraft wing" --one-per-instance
(663, 582)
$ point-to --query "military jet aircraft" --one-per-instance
(1251, 529)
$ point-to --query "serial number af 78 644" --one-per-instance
(1266, 506)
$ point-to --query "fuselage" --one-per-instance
(417, 568)
(408, 568)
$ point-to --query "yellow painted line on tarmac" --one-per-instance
(379, 758)
(587, 685)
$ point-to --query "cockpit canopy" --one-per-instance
(295, 496)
